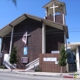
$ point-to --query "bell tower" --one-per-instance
(55, 11)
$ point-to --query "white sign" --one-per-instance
(54, 52)
(0, 54)
(50, 59)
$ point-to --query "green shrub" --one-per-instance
(2, 67)
(37, 69)
(13, 56)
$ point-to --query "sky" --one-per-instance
(9, 12)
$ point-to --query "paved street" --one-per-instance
(13, 76)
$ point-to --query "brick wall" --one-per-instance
(49, 66)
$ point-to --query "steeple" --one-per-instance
(55, 11)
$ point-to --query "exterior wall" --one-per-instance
(34, 41)
(6, 43)
(5, 46)
(54, 39)
(50, 66)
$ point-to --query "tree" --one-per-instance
(63, 57)
(13, 56)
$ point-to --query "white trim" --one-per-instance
(54, 11)
(43, 39)
(75, 43)
(1, 45)
(11, 40)
(77, 59)
(66, 43)
(64, 39)
(46, 12)
(63, 18)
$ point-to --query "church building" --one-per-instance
(37, 40)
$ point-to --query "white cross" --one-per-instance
(24, 38)
(53, 7)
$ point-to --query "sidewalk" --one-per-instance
(22, 71)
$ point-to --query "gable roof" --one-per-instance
(7, 29)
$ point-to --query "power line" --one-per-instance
(54, 32)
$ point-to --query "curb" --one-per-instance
(35, 74)
(71, 77)
(68, 77)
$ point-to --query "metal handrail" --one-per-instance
(7, 63)
(32, 63)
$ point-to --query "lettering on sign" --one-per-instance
(50, 59)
